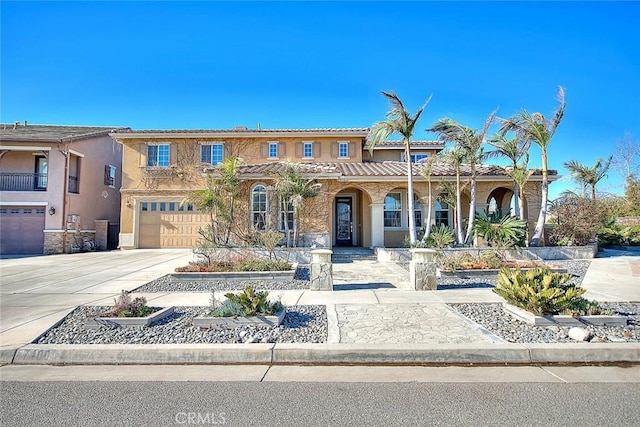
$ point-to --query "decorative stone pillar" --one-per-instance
(422, 270)
(102, 230)
(321, 271)
(377, 225)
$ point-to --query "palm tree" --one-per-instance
(218, 200)
(469, 141)
(588, 176)
(426, 170)
(535, 128)
(520, 175)
(399, 121)
(294, 188)
(455, 157)
(513, 149)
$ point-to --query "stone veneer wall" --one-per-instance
(53, 242)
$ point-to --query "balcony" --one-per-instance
(13, 181)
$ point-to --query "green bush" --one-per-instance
(542, 292)
(259, 264)
(504, 232)
(441, 236)
(247, 303)
(124, 306)
(493, 259)
(615, 235)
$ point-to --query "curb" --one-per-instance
(327, 354)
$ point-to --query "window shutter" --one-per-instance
(264, 150)
(142, 151)
(281, 150)
(334, 149)
(299, 149)
(316, 150)
(352, 150)
(107, 175)
(226, 150)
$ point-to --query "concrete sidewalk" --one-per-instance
(395, 325)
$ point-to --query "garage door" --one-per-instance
(21, 230)
(169, 225)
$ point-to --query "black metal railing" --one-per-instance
(73, 184)
(15, 181)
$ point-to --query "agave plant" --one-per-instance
(539, 291)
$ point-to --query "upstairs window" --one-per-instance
(212, 153)
(343, 150)
(273, 150)
(158, 155)
(110, 176)
(307, 151)
(417, 157)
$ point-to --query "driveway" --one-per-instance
(36, 292)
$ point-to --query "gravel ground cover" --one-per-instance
(301, 324)
(502, 324)
(169, 284)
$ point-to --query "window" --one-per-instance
(417, 210)
(307, 151)
(392, 210)
(273, 150)
(417, 157)
(343, 149)
(110, 176)
(286, 214)
(212, 153)
(41, 173)
(259, 207)
(144, 206)
(442, 213)
(158, 155)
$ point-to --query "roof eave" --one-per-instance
(237, 135)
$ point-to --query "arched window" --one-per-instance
(259, 207)
(492, 209)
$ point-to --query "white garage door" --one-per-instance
(169, 225)
(21, 230)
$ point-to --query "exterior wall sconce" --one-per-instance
(52, 210)
(128, 203)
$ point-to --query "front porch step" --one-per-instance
(347, 254)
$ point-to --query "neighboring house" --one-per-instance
(363, 200)
(55, 183)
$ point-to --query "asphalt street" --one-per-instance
(340, 404)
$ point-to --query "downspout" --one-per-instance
(65, 189)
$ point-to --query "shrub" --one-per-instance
(577, 220)
(259, 264)
(542, 292)
(124, 306)
(493, 259)
(504, 232)
(248, 303)
(441, 236)
(616, 235)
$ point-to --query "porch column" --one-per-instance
(377, 225)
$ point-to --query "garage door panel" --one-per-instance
(21, 230)
(162, 229)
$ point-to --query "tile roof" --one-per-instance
(241, 129)
(50, 133)
(375, 169)
(399, 144)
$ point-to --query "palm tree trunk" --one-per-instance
(472, 204)
(538, 234)
(593, 192)
(427, 229)
(458, 210)
(286, 222)
(516, 202)
(412, 218)
(231, 222)
(521, 202)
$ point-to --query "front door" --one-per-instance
(344, 222)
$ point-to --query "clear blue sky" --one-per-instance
(300, 64)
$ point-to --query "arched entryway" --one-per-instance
(351, 218)
(502, 201)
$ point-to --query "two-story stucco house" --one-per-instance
(363, 199)
(55, 183)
